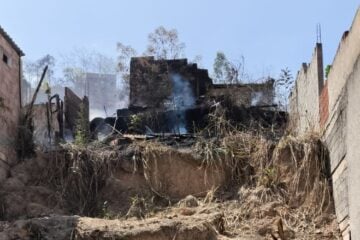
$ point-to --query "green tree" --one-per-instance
(327, 70)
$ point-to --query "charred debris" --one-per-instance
(168, 99)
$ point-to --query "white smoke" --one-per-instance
(182, 96)
(109, 110)
(256, 98)
(181, 99)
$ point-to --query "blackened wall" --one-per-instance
(150, 80)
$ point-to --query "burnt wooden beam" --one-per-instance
(29, 110)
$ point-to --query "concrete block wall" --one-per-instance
(304, 100)
(339, 120)
(345, 58)
(343, 124)
(334, 136)
(293, 109)
(353, 149)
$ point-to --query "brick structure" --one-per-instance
(10, 98)
(246, 95)
(72, 109)
(151, 84)
(324, 105)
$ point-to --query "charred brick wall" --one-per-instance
(72, 109)
(150, 80)
(254, 94)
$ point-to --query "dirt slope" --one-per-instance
(245, 187)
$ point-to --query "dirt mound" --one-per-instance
(176, 173)
(202, 226)
(47, 228)
(22, 195)
(216, 220)
(243, 185)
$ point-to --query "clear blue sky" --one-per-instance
(270, 34)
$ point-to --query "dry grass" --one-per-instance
(289, 177)
(290, 185)
(223, 145)
(303, 164)
(78, 174)
(286, 179)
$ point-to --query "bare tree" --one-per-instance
(91, 73)
(81, 61)
(88, 61)
(165, 44)
(283, 87)
(33, 69)
(162, 44)
(123, 64)
(31, 74)
(229, 72)
(198, 60)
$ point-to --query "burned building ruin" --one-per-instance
(153, 83)
(176, 96)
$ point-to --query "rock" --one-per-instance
(137, 209)
(269, 209)
(186, 211)
(39, 194)
(200, 227)
(41, 160)
(37, 210)
(4, 236)
(20, 172)
(189, 201)
(14, 205)
(264, 230)
(53, 227)
(13, 184)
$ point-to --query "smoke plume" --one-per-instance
(181, 99)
